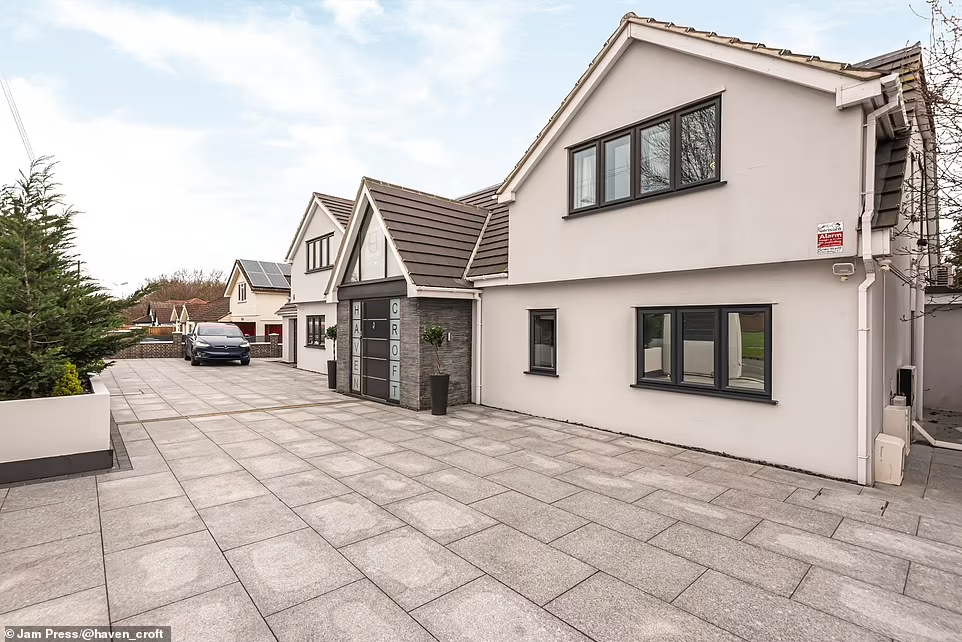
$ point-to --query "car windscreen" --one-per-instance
(220, 331)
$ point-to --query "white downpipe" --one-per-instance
(478, 337)
(865, 428)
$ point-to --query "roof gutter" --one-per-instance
(865, 426)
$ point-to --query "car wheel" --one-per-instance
(194, 361)
(245, 362)
(186, 357)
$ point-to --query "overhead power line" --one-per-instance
(8, 93)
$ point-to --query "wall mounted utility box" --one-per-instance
(889, 459)
(897, 422)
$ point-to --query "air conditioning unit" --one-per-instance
(897, 422)
(945, 275)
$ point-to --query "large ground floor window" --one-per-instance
(718, 350)
(315, 331)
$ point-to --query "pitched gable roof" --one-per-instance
(491, 251)
(435, 236)
(212, 311)
(264, 276)
(339, 209)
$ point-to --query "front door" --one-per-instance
(375, 348)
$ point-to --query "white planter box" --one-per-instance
(55, 427)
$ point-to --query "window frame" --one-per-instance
(242, 292)
(315, 336)
(721, 386)
(537, 370)
(671, 116)
(324, 260)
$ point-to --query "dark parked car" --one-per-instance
(216, 341)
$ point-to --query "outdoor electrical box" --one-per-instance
(905, 384)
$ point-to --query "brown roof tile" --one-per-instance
(491, 255)
(213, 311)
(340, 207)
(435, 236)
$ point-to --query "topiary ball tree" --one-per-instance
(434, 335)
(331, 333)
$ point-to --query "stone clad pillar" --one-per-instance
(178, 347)
(275, 340)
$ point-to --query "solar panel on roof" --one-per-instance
(251, 266)
(285, 269)
(278, 280)
(259, 279)
(270, 268)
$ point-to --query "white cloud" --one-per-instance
(351, 15)
(810, 30)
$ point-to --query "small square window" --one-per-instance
(543, 356)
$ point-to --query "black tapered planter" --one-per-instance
(439, 394)
(332, 374)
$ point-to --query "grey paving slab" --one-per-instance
(194, 448)
(475, 462)
(606, 608)
(758, 566)
(488, 446)
(887, 613)
(232, 436)
(372, 447)
(52, 492)
(394, 434)
(617, 515)
(801, 480)
(118, 493)
(678, 484)
(289, 569)
(781, 512)
(536, 518)
(543, 446)
(250, 448)
(445, 433)
(659, 462)
(855, 561)
(411, 463)
(535, 570)
(753, 485)
(410, 567)
(925, 507)
(274, 465)
(627, 490)
(440, 517)
(383, 486)
(602, 463)
(539, 486)
(714, 518)
(249, 520)
(343, 464)
(305, 487)
(461, 485)
(144, 578)
(205, 492)
(358, 612)
(942, 487)
(720, 462)
(132, 526)
(347, 519)
(202, 466)
(84, 608)
(760, 616)
(646, 567)
(289, 435)
(865, 508)
(487, 611)
(164, 432)
(40, 573)
(934, 586)
(538, 463)
(314, 447)
(342, 435)
(636, 443)
(940, 531)
(131, 432)
(594, 445)
(431, 446)
(910, 547)
(47, 523)
(225, 613)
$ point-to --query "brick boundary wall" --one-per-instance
(175, 349)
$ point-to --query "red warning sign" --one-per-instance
(831, 237)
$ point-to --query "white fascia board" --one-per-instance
(444, 293)
(232, 281)
(575, 102)
(857, 93)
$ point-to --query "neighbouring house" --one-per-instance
(728, 263)
(307, 313)
(190, 313)
(256, 289)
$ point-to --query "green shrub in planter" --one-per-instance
(69, 384)
(434, 335)
(331, 333)
(51, 312)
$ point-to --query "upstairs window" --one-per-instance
(372, 257)
(667, 153)
(319, 253)
(241, 292)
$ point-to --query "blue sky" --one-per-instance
(192, 132)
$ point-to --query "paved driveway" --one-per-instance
(245, 518)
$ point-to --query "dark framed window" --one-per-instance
(319, 253)
(718, 350)
(241, 292)
(315, 331)
(543, 342)
(670, 152)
